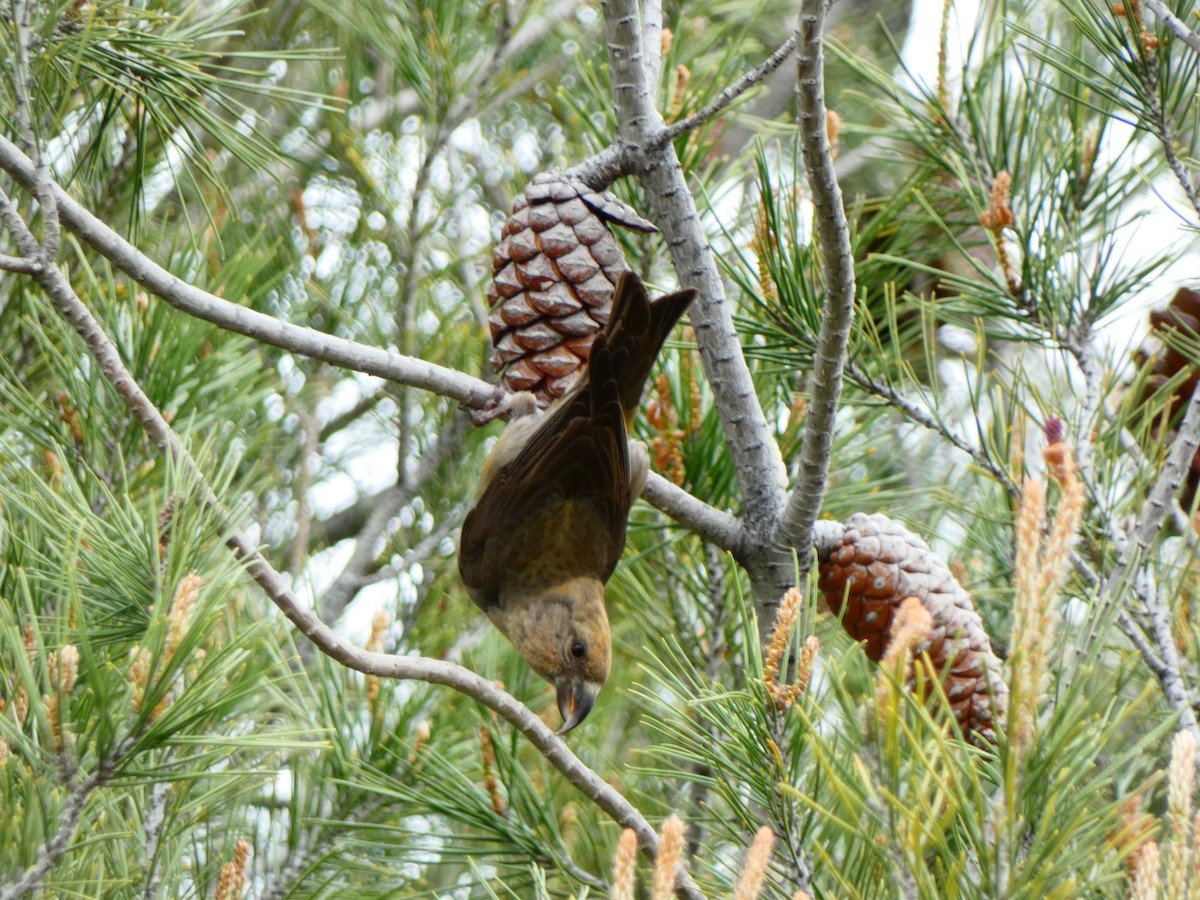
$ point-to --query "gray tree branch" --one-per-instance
(837, 314)
(190, 299)
(759, 465)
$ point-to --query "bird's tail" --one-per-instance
(636, 332)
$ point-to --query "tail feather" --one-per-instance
(636, 332)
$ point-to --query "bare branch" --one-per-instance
(1165, 132)
(714, 525)
(652, 32)
(615, 162)
(918, 414)
(1166, 486)
(154, 819)
(23, 92)
(550, 745)
(601, 170)
(20, 264)
(837, 314)
(1130, 561)
(756, 457)
(190, 299)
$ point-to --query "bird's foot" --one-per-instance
(504, 405)
(639, 468)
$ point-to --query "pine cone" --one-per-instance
(554, 271)
(872, 568)
(1182, 314)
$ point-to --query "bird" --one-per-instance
(548, 526)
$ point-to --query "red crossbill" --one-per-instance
(549, 524)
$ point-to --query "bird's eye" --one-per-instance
(578, 650)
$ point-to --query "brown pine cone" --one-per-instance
(554, 270)
(1182, 314)
(875, 565)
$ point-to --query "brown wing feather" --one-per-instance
(560, 507)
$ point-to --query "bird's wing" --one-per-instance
(559, 508)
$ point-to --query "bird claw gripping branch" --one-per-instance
(554, 269)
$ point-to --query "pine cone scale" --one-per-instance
(554, 271)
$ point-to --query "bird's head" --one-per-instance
(562, 633)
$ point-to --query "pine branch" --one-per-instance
(613, 162)
(53, 850)
(756, 457)
(599, 171)
(275, 585)
(23, 94)
(922, 416)
(1165, 133)
(652, 31)
(1158, 504)
(19, 264)
(232, 317)
(837, 313)
(154, 817)
(714, 525)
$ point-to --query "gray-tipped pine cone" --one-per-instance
(871, 570)
(553, 274)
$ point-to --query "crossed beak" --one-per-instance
(575, 699)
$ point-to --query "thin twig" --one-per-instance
(914, 412)
(1166, 135)
(614, 162)
(837, 313)
(755, 76)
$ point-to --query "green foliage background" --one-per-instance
(347, 166)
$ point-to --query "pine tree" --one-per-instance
(245, 256)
